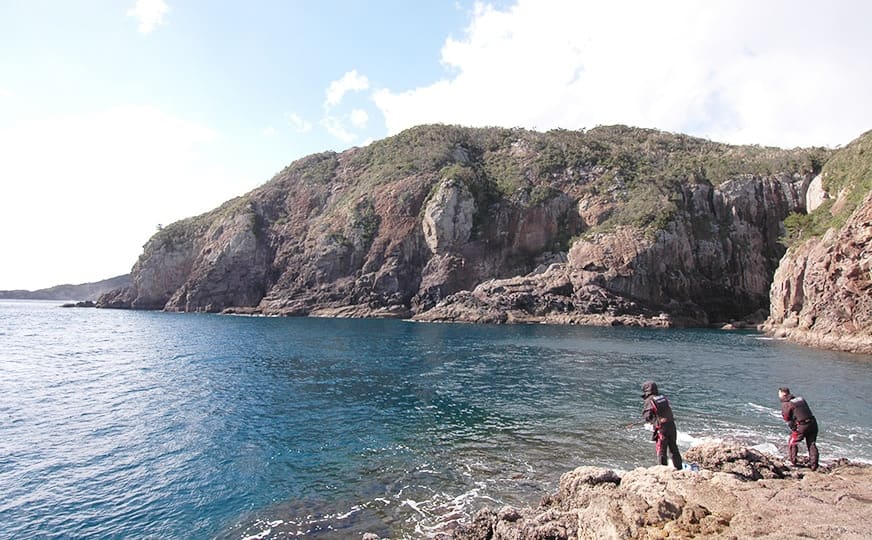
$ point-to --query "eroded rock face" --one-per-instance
(740, 493)
(816, 194)
(713, 261)
(822, 292)
(447, 221)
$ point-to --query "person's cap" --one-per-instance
(649, 388)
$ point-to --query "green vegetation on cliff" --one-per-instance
(640, 172)
(847, 178)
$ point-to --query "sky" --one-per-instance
(117, 116)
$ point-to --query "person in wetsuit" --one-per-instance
(803, 425)
(658, 412)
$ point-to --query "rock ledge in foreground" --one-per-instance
(739, 493)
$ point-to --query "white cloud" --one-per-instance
(779, 72)
(352, 81)
(359, 118)
(150, 14)
(5, 93)
(337, 124)
(269, 131)
(336, 127)
(300, 125)
(84, 192)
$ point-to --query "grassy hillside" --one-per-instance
(640, 169)
(638, 173)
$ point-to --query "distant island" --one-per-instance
(80, 292)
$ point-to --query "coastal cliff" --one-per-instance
(614, 225)
(822, 291)
(738, 493)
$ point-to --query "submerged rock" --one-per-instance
(738, 493)
(82, 304)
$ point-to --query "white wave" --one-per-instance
(439, 512)
(689, 440)
(640, 427)
(775, 413)
(414, 505)
(259, 536)
(267, 531)
(767, 448)
(751, 438)
(354, 509)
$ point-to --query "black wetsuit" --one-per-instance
(658, 412)
(803, 425)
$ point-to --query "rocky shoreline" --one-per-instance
(611, 226)
(738, 492)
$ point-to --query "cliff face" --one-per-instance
(446, 223)
(711, 261)
(822, 291)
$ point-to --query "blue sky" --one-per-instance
(118, 115)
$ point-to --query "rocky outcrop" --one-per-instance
(614, 225)
(712, 261)
(821, 294)
(815, 195)
(200, 265)
(447, 221)
(545, 295)
(82, 304)
(738, 493)
(822, 291)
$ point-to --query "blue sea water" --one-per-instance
(154, 425)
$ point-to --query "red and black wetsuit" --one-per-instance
(803, 425)
(658, 412)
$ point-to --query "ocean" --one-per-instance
(129, 424)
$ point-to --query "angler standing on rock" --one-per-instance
(803, 425)
(658, 412)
